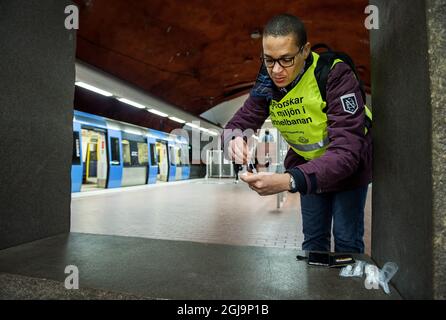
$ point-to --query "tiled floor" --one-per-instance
(212, 211)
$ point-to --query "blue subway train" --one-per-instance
(113, 154)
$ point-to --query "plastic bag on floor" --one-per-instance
(385, 274)
(355, 270)
(376, 277)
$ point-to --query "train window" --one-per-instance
(185, 154)
(153, 160)
(135, 154)
(76, 148)
(143, 153)
(126, 153)
(93, 148)
(115, 155)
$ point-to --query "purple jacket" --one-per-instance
(347, 162)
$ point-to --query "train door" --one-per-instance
(94, 158)
(172, 164)
(163, 161)
(153, 165)
(76, 164)
(115, 158)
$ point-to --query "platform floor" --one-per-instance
(114, 266)
(197, 239)
(209, 211)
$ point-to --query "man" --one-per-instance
(267, 137)
(237, 168)
(329, 160)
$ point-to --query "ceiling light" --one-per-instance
(177, 119)
(212, 133)
(94, 89)
(209, 131)
(159, 113)
(132, 103)
(192, 125)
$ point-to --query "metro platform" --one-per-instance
(200, 239)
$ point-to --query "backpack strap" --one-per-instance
(322, 70)
(324, 65)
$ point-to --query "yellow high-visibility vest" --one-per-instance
(300, 118)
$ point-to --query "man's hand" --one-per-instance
(238, 150)
(267, 184)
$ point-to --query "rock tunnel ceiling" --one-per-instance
(196, 54)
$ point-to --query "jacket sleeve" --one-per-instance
(246, 120)
(251, 115)
(254, 111)
(345, 132)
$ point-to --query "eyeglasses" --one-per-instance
(284, 62)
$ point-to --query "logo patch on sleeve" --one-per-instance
(349, 103)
